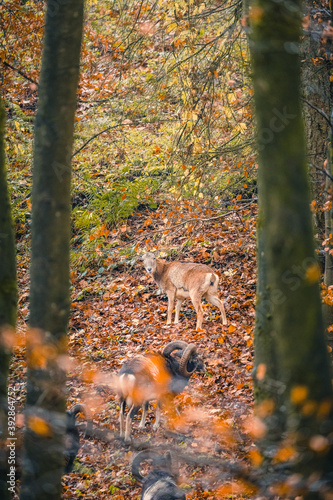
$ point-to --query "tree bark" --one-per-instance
(292, 270)
(317, 92)
(8, 303)
(328, 275)
(43, 461)
(268, 389)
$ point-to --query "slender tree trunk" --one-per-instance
(49, 293)
(317, 93)
(328, 275)
(292, 270)
(8, 304)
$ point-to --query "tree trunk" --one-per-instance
(317, 92)
(292, 270)
(43, 461)
(328, 275)
(8, 304)
(267, 388)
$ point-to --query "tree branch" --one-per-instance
(94, 137)
(19, 72)
(320, 111)
(323, 171)
(176, 226)
(189, 458)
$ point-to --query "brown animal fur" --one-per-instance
(182, 280)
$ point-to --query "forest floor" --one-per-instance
(117, 313)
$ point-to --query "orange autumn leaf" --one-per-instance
(298, 394)
(261, 371)
(256, 427)
(39, 426)
(324, 409)
(309, 408)
(313, 206)
(239, 488)
(285, 454)
(89, 374)
(313, 273)
(255, 457)
(319, 443)
(265, 408)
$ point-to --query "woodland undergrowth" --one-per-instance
(163, 160)
(117, 313)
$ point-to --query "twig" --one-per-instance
(188, 458)
(112, 127)
(320, 111)
(176, 226)
(94, 137)
(323, 171)
(208, 219)
(19, 72)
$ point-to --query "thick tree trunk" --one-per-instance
(49, 293)
(292, 270)
(8, 303)
(267, 387)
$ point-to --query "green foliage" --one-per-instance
(85, 220)
(122, 200)
(81, 469)
(113, 489)
(163, 109)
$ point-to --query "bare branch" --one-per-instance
(323, 171)
(189, 458)
(94, 137)
(19, 72)
(320, 111)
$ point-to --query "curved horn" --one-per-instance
(188, 352)
(174, 346)
(138, 459)
(81, 408)
(78, 408)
